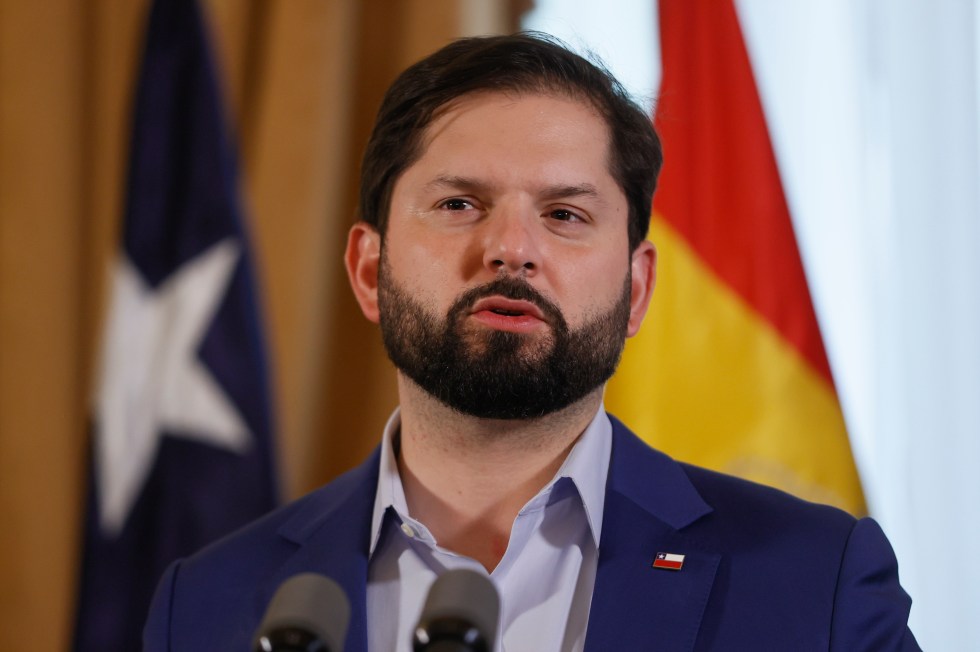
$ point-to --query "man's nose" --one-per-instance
(510, 244)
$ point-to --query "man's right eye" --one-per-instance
(455, 204)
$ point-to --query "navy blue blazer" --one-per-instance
(762, 570)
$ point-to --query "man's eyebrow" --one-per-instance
(551, 192)
(455, 183)
(563, 191)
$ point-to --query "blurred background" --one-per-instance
(872, 108)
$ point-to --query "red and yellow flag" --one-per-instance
(729, 370)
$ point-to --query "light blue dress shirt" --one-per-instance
(545, 577)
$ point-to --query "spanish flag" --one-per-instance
(729, 370)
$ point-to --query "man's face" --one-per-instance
(504, 286)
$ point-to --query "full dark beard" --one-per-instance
(498, 374)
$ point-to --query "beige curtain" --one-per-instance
(303, 79)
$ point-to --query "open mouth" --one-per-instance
(501, 313)
(505, 307)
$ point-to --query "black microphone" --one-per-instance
(460, 614)
(308, 613)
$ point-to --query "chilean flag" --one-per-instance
(668, 560)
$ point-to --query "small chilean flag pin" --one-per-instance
(668, 560)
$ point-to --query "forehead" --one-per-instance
(490, 100)
(500, 131)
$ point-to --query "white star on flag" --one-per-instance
(152, 380)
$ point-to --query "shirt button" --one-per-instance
(407, 529)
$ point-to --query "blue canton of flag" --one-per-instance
(182, 450)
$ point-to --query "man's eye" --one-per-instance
(564, 215)
(456, 204)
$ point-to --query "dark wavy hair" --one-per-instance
(526, 62)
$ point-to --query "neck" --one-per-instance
(466, 478)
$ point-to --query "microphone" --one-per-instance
(460, 614)
(308, 613)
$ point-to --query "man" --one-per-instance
(505, 200)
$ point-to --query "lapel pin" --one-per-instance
(668, 560)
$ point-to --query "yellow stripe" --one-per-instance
(708, 381)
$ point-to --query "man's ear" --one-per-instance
(644, 278)
(362, 259)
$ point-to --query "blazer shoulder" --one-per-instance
(215, 598)
(754, 501)
(653, 478)
(292, 523)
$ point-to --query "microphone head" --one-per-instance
(461, 613)
(308, 613)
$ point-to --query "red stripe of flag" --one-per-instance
(720, 187)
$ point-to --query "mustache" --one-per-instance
(509, 287)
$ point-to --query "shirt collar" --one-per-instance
(390, 492)
(587, 466)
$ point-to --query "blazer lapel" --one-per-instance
(333, 537)
(649, 502)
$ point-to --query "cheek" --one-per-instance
(424, 273)
(592, 285)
